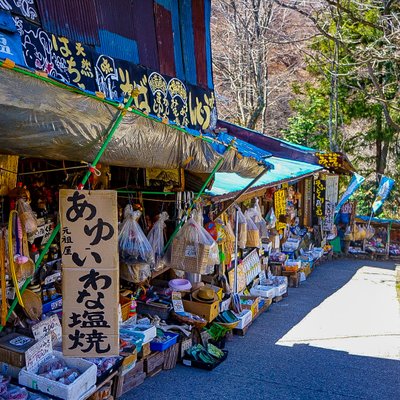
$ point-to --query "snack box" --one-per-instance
(264, 291)
(245, 318)
(40, 353)
(148, 331)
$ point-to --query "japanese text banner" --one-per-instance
(89, 229)
(90, 275)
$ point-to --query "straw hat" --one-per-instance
(205, 295)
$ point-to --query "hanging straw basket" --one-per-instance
(190, 257)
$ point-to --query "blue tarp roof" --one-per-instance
(284, 170)
(378, 220)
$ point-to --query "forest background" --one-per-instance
(321, 73)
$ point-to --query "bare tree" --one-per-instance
(255, 62)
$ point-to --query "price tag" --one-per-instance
(38, 352)
(50, 326)
(190, 251)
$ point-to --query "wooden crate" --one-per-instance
(130, 380)
(293, 278)
(145, 351)
(171, 356)
(153, 364)
(185, 344)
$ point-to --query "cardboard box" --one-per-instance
(13, 348)
(207, 311)
(225, 304)
(245, 318)
(281, 289)
(149, 331)
(218, 290)
(81, 388)
(252, 307)
(263, 291)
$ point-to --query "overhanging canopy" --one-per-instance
(39, 119)
(226, 185)
(334, 161)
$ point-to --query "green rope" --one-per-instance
(84, 180)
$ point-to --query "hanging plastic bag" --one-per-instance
(156, 237)
(256, 216)
(253, 234)
(270, 219)
(133, 245)
(26, 216)
(242, 231)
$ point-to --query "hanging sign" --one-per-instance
(89, 246)
(330, 160)
(331, 198)
(307, 202)
(280, 208)
(319, 194)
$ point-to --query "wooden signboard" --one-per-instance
(90, 273)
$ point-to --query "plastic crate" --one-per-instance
(157, 346)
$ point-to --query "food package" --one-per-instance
(242, 231)
(270, 219)
(136, 273)
(253, 234)
(26, 216)
(255, 214)
(134, 247)
(156, 237)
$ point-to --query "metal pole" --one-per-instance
(115, 126)
(242, 192)
(235, 285)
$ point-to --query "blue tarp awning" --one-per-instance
(376, 220)
(283, 171)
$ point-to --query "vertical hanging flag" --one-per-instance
(385, 186)
(355, 183)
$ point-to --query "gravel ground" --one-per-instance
(337, 336)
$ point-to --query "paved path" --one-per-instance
(337, 336)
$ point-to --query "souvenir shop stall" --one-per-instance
(374, 237)
(101, 285)
(282, 205)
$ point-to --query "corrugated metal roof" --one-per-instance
(117, 46)
(117, 18)
(74, 19)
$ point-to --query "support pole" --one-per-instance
(114, 127)
(198, 195)
(241, 193)
(235, 285)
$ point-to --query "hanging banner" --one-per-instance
(331, 198)
(385, 186)
(355, 183)
(331, 188)
(307, 202)
(89, 246)
(280, 208)
(319, 195)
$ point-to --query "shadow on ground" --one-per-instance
(258, 369)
